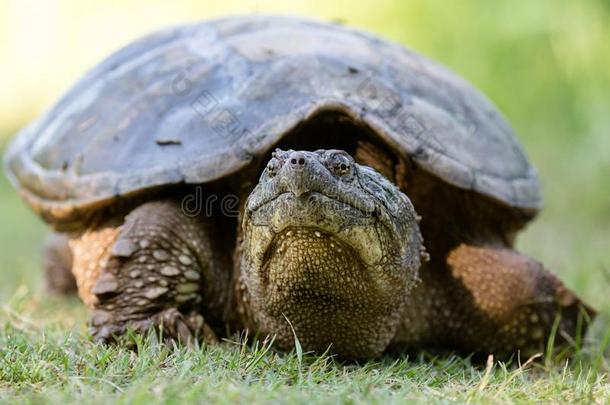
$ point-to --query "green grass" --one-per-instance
(548, 69)
(58, 364)
(65, 367)
(54, 361)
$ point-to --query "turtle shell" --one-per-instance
(195, 103)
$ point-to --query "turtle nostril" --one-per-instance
(298, 159)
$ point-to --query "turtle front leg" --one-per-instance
(490, 300)
(510, 302)
(157, 269)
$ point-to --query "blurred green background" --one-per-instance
(546, 64)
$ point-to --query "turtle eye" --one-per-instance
(272, 167)
(342, 165)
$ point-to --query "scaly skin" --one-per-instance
(331, 251)
(331, 246)
(489, 299)
(151, 269)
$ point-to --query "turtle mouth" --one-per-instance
(314, 211)
(340, 202)
(287, 209)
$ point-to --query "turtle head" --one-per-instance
(330, 251)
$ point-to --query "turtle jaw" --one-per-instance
(321, 283)
(271, 230)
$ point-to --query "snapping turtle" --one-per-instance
(282, 175)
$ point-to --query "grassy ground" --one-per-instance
(548, 69)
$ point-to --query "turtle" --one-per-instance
(293, 178)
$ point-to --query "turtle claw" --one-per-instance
(173, 325)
